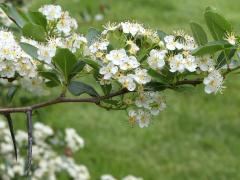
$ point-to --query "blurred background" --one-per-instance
(196, 137)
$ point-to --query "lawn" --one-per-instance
(196, 137)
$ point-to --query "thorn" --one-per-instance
(10, 125)
(30, 140)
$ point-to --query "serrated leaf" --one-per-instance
(157, 76)
(92, 63)
(106, 88)
(77, 68)
(38, 19)
(34, 31)
(29, 49)
(65, 61)
(92, 35)
(13, 14)
(77, 88)
(198, 33)
(224, 56)
(52, 77)
(211, 47)
(217, 24)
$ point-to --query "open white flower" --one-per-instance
(172, 44)
(129, 63)
(190, 63)
(177, 63)
(108, 71)
(98, 46)
(143, 118)
(141, 76)
(117, 57)
(156, 59)
(66, 23)
(46, 53)
(132, 28)
(213, 82)
(205, 63)
(51, 12)
(128, 82)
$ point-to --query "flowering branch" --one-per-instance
(123, 58)
(60, 99)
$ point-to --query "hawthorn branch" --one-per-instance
(96, 100)
(62, 99)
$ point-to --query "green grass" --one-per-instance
(197, 137)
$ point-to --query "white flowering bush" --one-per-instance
(48, 162)
(132, 65)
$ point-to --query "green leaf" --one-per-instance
(92, 63)
(217, 24)
(225, 56)
(77, 68)
(106, 88)
(34, 31)
(92, 35)
(156, 86)
(157, 76)
(198, 33)
(77, 88)
(161, 34)
(211, 48)
(38, 19)
(29, 49)
(65, 61)
(13, 14)
(52, 77)
(11, 92)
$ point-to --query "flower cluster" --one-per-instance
(60, 19)
(142, 50)
(13, 60)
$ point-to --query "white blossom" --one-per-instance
(117, 57)
(128, 82)
(156, 60)
(213, 82)
(172, 43)
(141, 76)
(129, 63)
(52, 12)
(177, 63)
(132, 28)
(73, 140)
(205, 63)
(108, 71)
